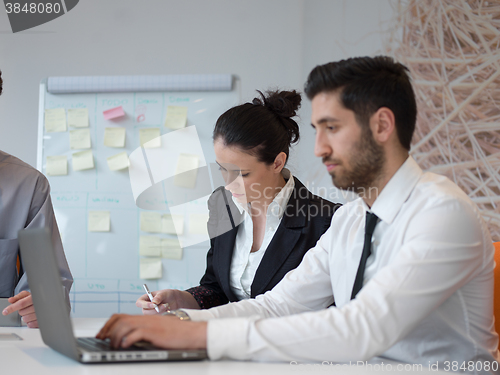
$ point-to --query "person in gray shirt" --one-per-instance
(24, 203)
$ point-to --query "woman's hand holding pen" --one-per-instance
(166, 299)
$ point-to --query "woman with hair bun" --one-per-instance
(263, 221)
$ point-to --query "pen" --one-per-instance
(150, 296)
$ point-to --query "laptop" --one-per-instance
(39, 262)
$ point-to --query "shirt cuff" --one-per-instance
(198, 315)
(227, 338)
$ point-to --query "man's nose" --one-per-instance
(321, 146)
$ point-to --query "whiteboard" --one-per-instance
(105, 265)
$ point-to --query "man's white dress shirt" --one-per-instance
(427, 297)
(244, 263)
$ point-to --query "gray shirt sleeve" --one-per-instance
(43, 216)
(25, 203)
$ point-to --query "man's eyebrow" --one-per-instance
(327, 119)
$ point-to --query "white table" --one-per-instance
(30, 356)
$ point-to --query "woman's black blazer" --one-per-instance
(306, 218)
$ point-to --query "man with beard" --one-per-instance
(409, 264)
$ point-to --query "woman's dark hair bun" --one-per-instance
(1, 83)
(264, 128)
(285, 105)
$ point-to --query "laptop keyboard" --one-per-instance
(96, 345)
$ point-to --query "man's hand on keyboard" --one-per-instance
(163, 331)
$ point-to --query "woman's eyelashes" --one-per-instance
(223, 170)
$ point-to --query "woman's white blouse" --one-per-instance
(244, 263)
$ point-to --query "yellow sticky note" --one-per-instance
(78, 117)
(187, 170)
(198, 223)
(99, 221)
(114, 137)
(79, 138)
(118, 161)
(151, 222)
(172, 224)
(150, 246)
(57, 165)
(176, 117)
(150, 137)
(83, 160)
(171, 249)
(55, 120)
(150, 268)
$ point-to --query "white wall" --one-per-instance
(335, 30)
(266, 42)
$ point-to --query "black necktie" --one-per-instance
(371, 221)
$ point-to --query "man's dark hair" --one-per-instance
(1, 83)
(366, 84)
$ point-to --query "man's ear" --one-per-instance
(383, 125)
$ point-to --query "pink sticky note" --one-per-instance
(113, 113)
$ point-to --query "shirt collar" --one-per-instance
(397, 191)
(280, 200)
